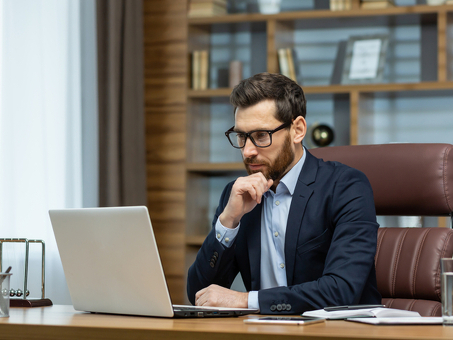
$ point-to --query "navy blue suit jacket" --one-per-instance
(330, 245)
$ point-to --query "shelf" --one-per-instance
(214, 167)
(195, 240)
(223, 92)
(319, 14)
(396, 87)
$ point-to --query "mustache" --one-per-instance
(251, 161)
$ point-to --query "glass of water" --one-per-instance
(446, 272)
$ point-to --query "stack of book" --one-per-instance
(200, 70)
(286, 58)
(340, 5)
(207, 8)
(373, 4)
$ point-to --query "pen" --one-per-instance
(351, 307)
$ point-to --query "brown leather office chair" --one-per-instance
(407, 180)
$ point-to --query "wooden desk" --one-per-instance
(62, 322)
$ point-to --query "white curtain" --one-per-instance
(41, 129)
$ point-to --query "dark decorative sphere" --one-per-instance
(322, 135)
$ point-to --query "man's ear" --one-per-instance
(300, 129)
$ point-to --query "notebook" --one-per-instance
(380, 312)
(112, 264)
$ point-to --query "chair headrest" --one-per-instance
(407, 179)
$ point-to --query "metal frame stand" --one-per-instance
(24, 302)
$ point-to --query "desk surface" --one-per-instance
(60, 322)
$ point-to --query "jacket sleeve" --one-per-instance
(350, 259)
(214, 264)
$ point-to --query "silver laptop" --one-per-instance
(112, 264)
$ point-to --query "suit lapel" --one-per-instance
(252, 221)
(302, 194)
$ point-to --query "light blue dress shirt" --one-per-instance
(274, 217)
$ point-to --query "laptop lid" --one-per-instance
(110, 260)
(112, 264)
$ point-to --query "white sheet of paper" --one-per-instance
(400, 321)
(365, 59)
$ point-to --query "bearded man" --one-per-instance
(302, 232)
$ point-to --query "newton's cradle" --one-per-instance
(22, 294)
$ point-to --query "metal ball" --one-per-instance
(12, 292)
(322, 135)
(19, 293)
(27, 293)
(5, 292)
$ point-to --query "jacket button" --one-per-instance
(288, 306)
(273, 308)
(216, 253)
(212, 264)
(279, 307)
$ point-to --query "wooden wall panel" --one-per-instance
(165, 48)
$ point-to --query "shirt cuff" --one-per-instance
(225, 235)
(253, 300)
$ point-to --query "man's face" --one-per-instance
(273, 161)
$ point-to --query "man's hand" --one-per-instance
(245, 195)
(216, 296)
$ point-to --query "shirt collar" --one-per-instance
(291, 177)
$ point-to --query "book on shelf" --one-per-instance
(195, 70)
(204, 69)
(200, 69)
(207, 8)
(340, 5)
(287, 62)
(380, 312)
(235, 73)
(375, 4)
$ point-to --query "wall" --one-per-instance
(165, 45)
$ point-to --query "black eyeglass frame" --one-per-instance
(249, 135)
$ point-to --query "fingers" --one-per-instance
(255, 185)
(269, 183)
(202, 296)
(198, 296)
(246, 193)
(216, 296)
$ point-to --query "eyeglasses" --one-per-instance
(260, 138)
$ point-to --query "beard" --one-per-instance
(276, 169)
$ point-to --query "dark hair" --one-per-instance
(288, 95)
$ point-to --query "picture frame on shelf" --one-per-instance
(365, 59)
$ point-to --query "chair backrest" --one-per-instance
(407, 180)
(407, 267)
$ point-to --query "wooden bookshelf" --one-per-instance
(189, 159)
(318, 14)
(351, 101)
